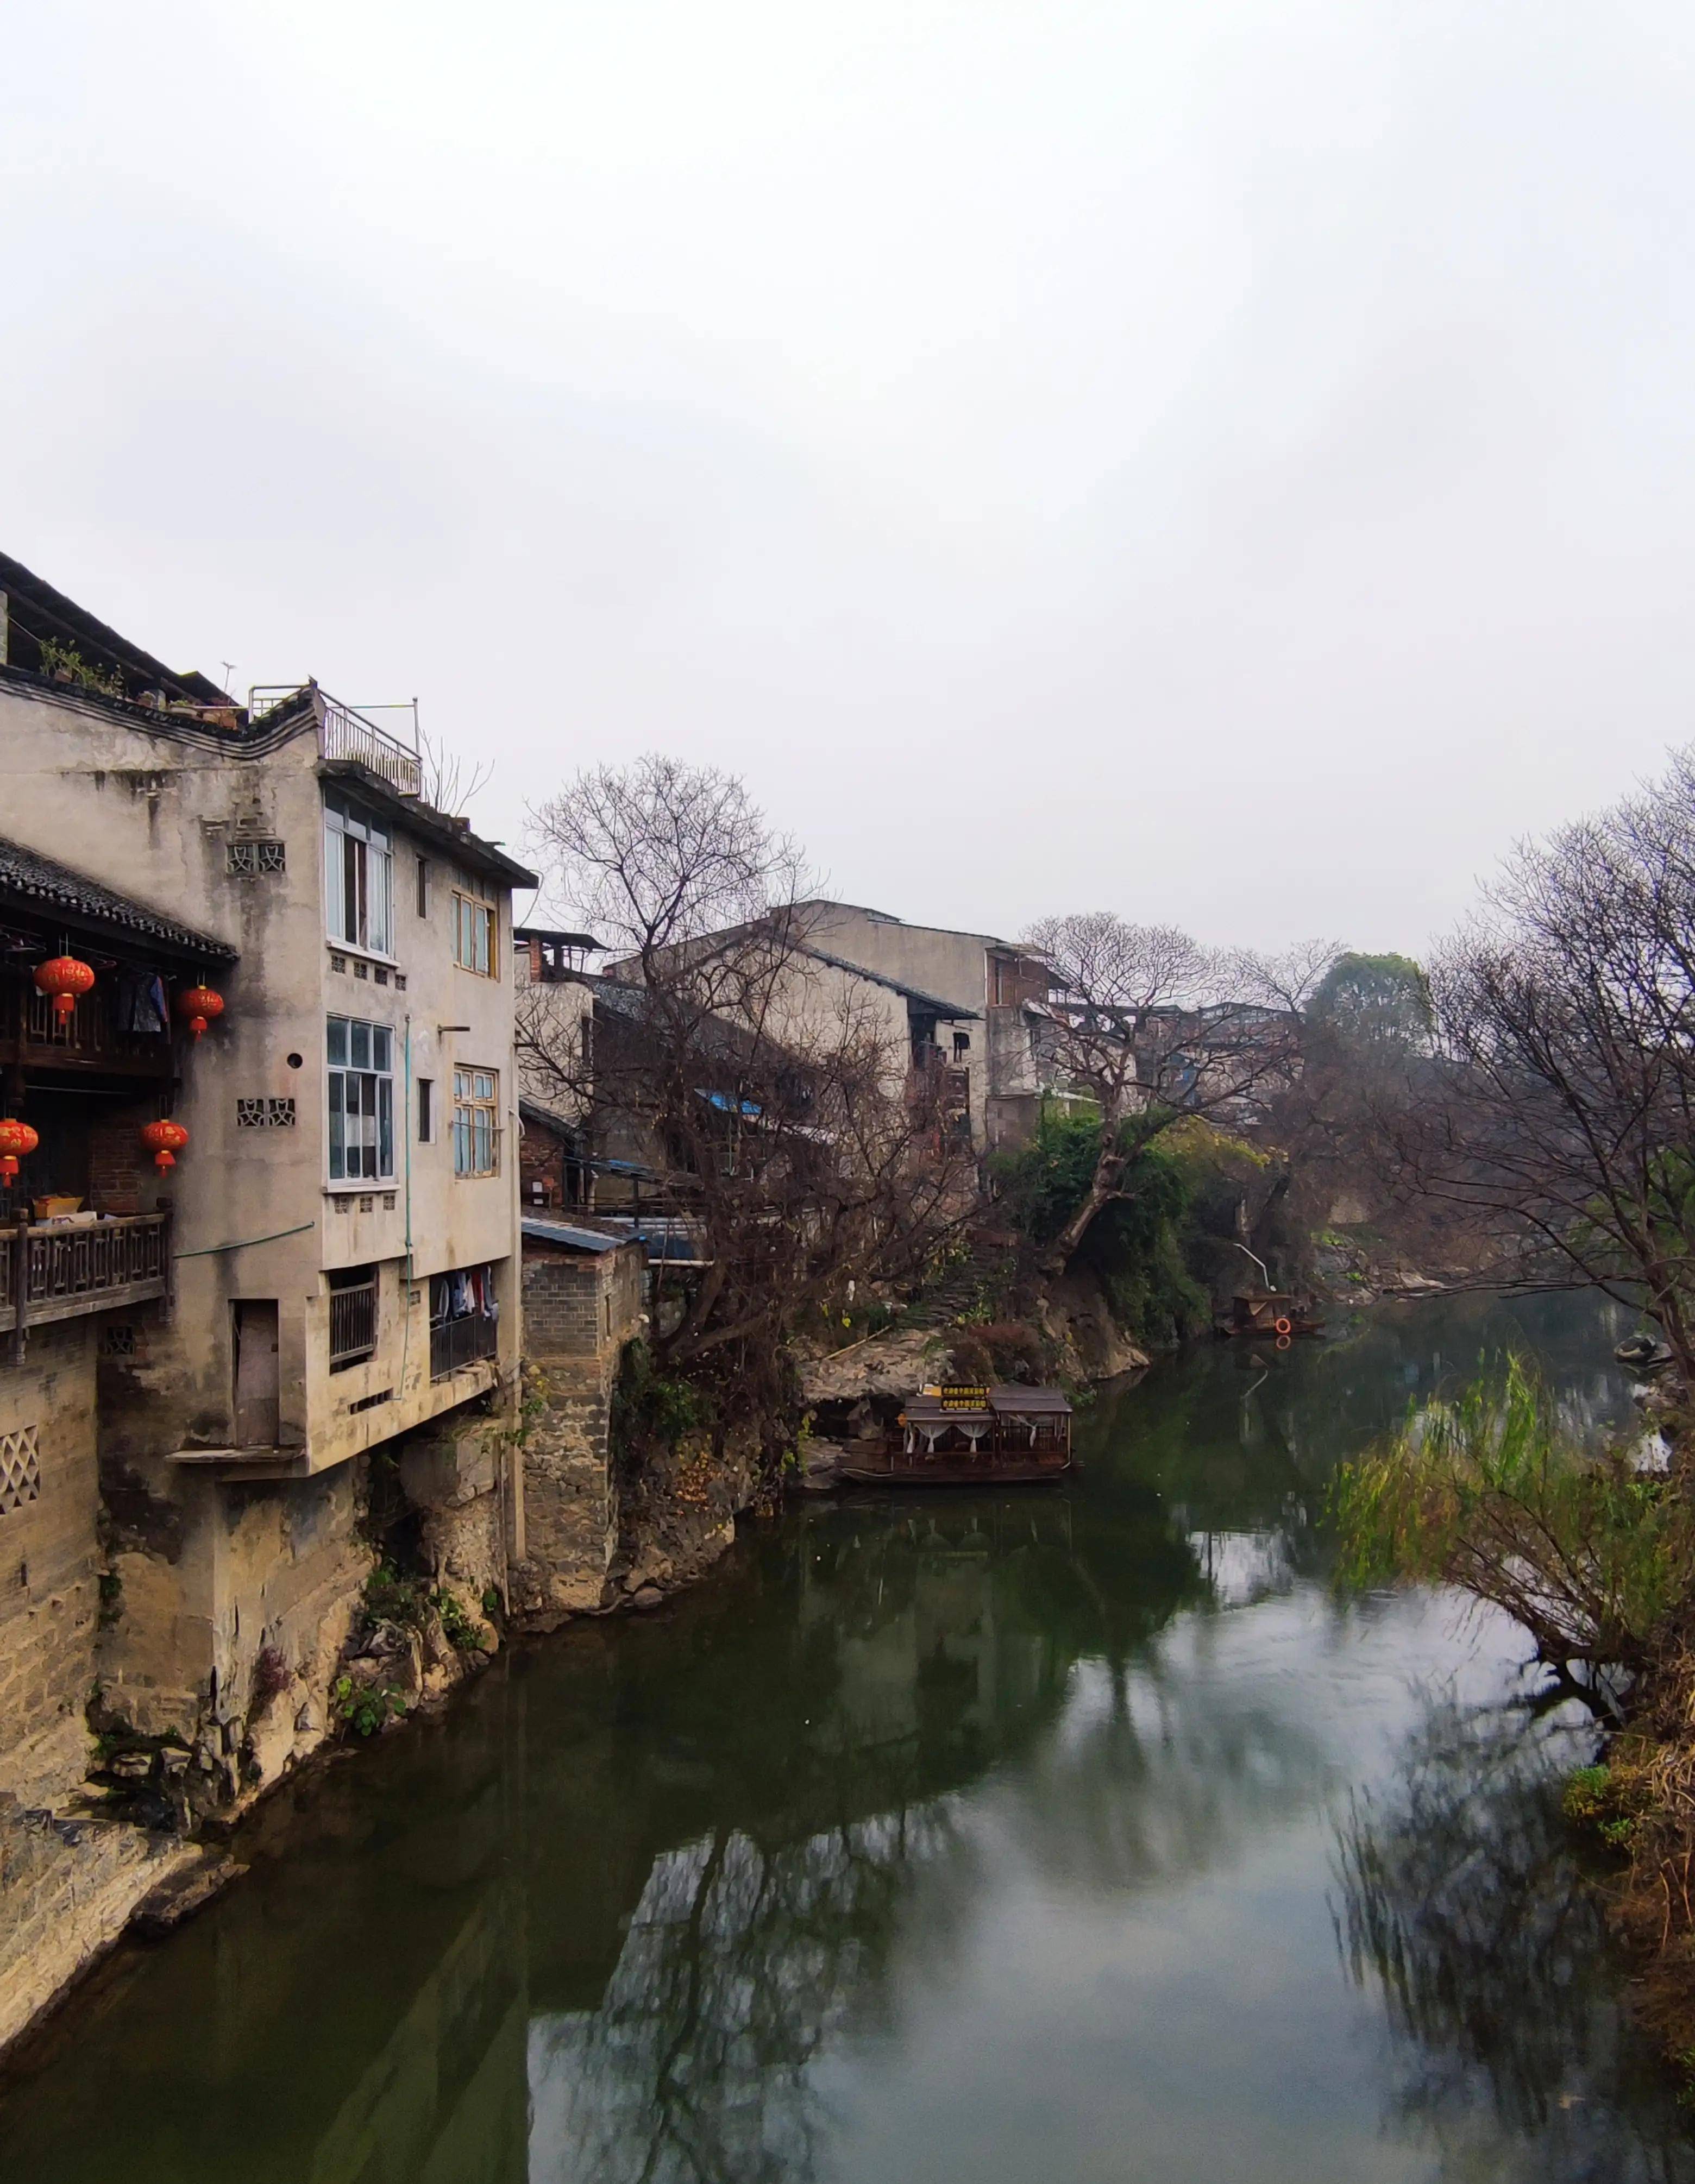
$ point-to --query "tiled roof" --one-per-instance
(37, 879)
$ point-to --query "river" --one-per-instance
(1073, 1833)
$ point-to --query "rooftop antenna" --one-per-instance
(229, 668)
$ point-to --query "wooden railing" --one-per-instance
(88, 1038)
(61, 1273)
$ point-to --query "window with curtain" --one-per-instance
(359, 876)
(361, 1088)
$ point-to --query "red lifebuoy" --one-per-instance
(1284, 1326)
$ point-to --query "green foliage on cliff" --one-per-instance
(650, 1410)
(1138, 1246)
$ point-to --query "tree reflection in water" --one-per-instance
(741, 1962)
(1461, 1902)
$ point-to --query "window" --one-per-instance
(423, 887)
(475, 1122)
(361, 1059)
(359, 878)
(427, 1110)
(962, 1044)
(353, 1316)
(473, 935)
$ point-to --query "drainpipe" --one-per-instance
(406, 1140)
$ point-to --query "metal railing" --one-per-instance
(353, 1323)
(344, 734)
(60, 1273)
(458, 1342)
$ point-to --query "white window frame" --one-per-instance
(358, 1133)
(359, 878)
(475, 1122)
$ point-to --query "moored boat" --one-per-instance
(1271, 1314)
(963, 1435)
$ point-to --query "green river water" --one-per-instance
(1073, 1834)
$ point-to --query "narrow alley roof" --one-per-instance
(26, 876)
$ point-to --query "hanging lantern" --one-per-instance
(17, 1141)
(164, 1140)
(199, 1004)
(64, 978)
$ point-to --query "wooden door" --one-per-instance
(258, 1374)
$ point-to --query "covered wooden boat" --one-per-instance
(957, 1435)
(1273, 1315)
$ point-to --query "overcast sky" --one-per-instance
(1229, 463)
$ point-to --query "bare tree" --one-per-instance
(770, 1097)
(1561, 1102)
(1140, 1023)
(447, 782)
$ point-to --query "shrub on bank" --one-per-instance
(1489, 1493)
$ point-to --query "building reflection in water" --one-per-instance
(613, 1917)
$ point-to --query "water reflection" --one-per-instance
(1462, 1904)
(966, 1838)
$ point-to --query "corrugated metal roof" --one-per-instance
(38, 879)
(566, 1233)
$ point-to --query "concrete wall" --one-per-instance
(951, 966)
(580, 1309)
(49, 1559)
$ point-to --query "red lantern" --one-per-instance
(164, 1140)
(16, 1140)
(198, 1004)
(64, 978)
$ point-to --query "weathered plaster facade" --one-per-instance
(233, 1484)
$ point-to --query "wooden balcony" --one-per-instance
(33, 1037)
(58, 1271)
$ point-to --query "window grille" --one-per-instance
(249, 860)
(21, 1468)
(266, 1114)
(353, 1316)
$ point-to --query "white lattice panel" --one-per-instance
(21, 1468)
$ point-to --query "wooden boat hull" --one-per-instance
(941, 1472)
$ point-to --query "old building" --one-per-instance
(199, 1361)
(977, 1008)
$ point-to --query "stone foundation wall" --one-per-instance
(67, 1889)
(571, 1529)
(580, 1309)
(49, 1558)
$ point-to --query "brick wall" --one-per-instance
(577, 1304)
(49, 1558)
(122, 1176)
(580, 1309)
